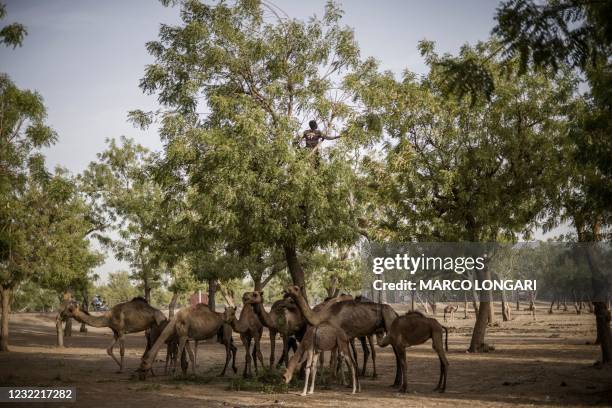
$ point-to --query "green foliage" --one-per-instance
(11, 35)
(30, 297)
(118, 289)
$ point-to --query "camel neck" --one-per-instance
(241, 324)
(264, 316)
(94, 321)
(309, 315)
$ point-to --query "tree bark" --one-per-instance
(68, 328)
(85, 307)
(295, 268)
(477, 344)
(602, 314)
(505, 308)
(212, 291)
(172, 304)
(147, 291)
(5, 294)
(59, 331)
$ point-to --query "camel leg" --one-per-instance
(191, 356)
(121, 351)
(284, 359)
(179, 354)
(352, 368)
(404, 367)
(398, 371)
(168, 355)
(109, 350)
(272, 346)
(315, 364)
(373, 350)
(354, 350)
(246, 342)
(437, 345)
(195, 354)
(366, 354)
(258, 353)
(234, 351)
(307, 371)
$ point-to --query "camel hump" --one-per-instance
(415, 313)
(139, 299)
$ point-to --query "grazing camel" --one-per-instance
(324, 337)
(413, 329)
(282, 318)
(224, 336)
(450, 310)
(250, 329)
(128, 317)
(191, 323)
(357, 319)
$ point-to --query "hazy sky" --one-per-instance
(86, 57)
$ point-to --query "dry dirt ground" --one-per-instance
(546, 362)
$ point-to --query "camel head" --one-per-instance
(69, 310)
(229, 314)
(287, 376)
(293, 291)
(254, 297)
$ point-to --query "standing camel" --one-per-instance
(450, 310)
(357, 319)
(250, 329)
(128, 317)
(284, 319)
(413, 329)
(192, 323)
(324, 337)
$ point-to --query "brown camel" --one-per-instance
(284, 319)
(250, 329)
(128, 317)
(195, 323)
(324, 337)
(413, 329)
(450, 310)
(356, 318)
(224, 336)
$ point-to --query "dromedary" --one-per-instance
(357, 319)
(324, 337)
(250, 329)
(282, 318)
(450, 310)
(194, 323)
(413, 329)
(224, 336)
(128, 317)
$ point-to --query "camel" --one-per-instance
(282, 318)
(413, 329)
(224, 336)
(191, 323)
(128, 317)
(450, 310)
(250, 329)
(324, 337)
(356, 318)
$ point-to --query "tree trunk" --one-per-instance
(68, 328)
(5, 294)
(295, 268)
(602, 314)
(85, 307)
(465, 306)
(412, 300)
(147, 291)
(505, 308)
(172, 304)
(491, 312)
(212, 291)
(59, 331)
(257, 284)
(552, 304)
(477, 344)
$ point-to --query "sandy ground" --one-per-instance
(546, 362)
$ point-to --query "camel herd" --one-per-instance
(331, 326)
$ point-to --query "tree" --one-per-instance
(118, 289)
(462, 170)
(120, 185)
(253, 188)
(13, 34)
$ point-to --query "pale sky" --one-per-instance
(86, 58)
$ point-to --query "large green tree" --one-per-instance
(236, 91)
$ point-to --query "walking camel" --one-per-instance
(128, 317)
(413, 329)
(323, 337)
(450, 310)
(357, 319)
(191, 323)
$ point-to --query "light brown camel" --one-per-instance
(357, 319)
(250, 329)
(128, 317)
(282, 318)
(450, 310)
(413, 329)
(224, 336)
(194, 323)
(324, 337)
